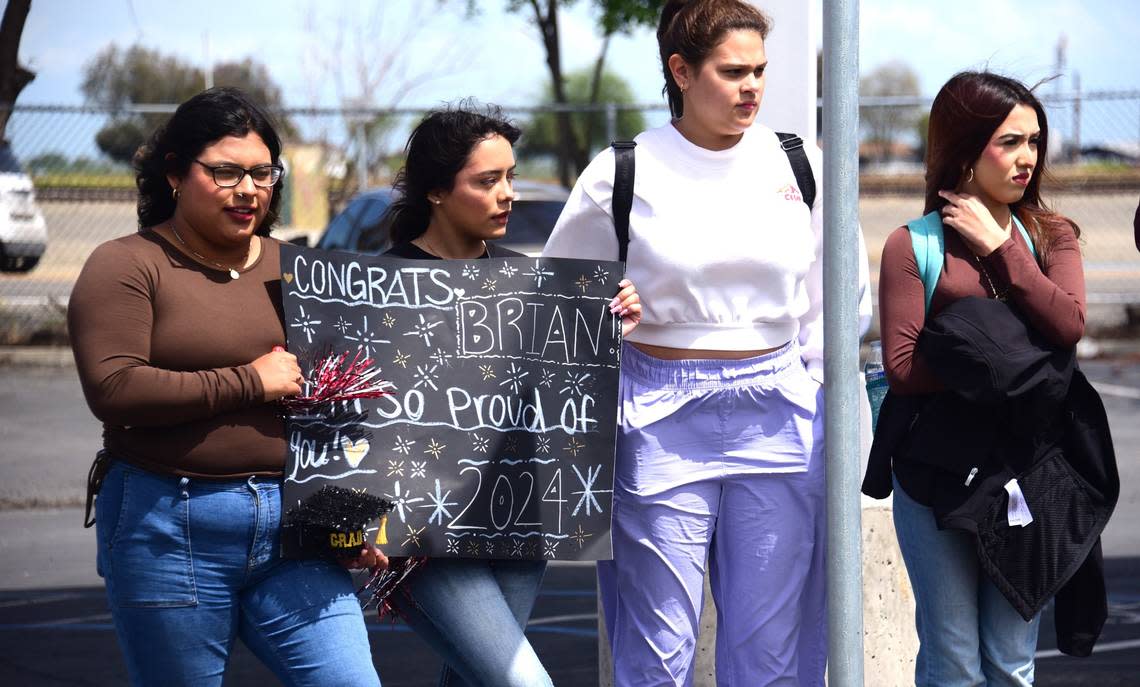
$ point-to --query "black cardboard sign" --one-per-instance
(498, 441)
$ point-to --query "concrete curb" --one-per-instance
(36, 356)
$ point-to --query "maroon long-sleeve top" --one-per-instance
(164, 344)
(1051, 296)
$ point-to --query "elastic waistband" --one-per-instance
(709, 373)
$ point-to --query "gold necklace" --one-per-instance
(234, 274)
(989, 282)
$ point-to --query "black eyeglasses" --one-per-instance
(228, 176)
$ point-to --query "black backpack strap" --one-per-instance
(623, 192)
(794, 148)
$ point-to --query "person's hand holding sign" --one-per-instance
(627, 305)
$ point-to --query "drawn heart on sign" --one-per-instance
(288, 277)
(354, 451)
(459, 292)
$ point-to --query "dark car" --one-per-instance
(360, 227)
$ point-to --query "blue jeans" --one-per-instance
(191, 564)
(968, 633)
(473, 614)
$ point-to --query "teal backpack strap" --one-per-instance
(1025, 235)
(927, 240)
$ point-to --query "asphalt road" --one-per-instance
(55, 628)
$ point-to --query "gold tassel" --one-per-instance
(382, 533)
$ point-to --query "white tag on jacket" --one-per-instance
(1018, 510)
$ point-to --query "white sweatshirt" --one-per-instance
(723, 250)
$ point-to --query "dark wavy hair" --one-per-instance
(205, 118)
(693, 29)
(965, 114)
(437, 149)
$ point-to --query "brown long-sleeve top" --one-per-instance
(164, 347)
(1052, 296)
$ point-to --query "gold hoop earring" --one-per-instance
(970, 176)
(175, 193)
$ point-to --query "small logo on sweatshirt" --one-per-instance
(790, 192)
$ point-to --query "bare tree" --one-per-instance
(13, 76)
(372, 59)
(885, 123)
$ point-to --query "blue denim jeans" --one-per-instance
(474, 613)
(191, 564)
(969, 635)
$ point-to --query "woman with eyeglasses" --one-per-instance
(174, 330)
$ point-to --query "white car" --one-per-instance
(23, 234)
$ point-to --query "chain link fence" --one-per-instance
(86, 197)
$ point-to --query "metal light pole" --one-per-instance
(841, 340)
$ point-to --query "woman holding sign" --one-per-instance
(455, 193)
(719, 450)
(174, 330)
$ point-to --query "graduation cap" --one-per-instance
(332, 522)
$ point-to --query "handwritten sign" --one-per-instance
(499, 439)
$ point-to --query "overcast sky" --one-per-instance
(498, 57)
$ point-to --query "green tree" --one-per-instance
(13, 76)
(589, 129)
(118, 78)
(614, 16)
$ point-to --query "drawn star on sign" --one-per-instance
(580, 536)
(438, 503)
(601, 274)
(426, 376)
(575, 383)
(403, 445)
(540, 275)
(424, 329)
(401, 359)
(401, 501)
(582, 282)
(306, 324)
(487, 371)
(588, 496)
(508, 270)
(452, 546)
(365, 339)
(516, 548)
(542, 444)
(434, 448)
(573, 446)
(413, 536)
(514, 378)
(480, 444)
(471, 272)
(419, 468)
(550, 549)
(395, 468)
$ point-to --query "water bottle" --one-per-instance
(876, 378)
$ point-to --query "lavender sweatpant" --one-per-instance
(718, 461)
